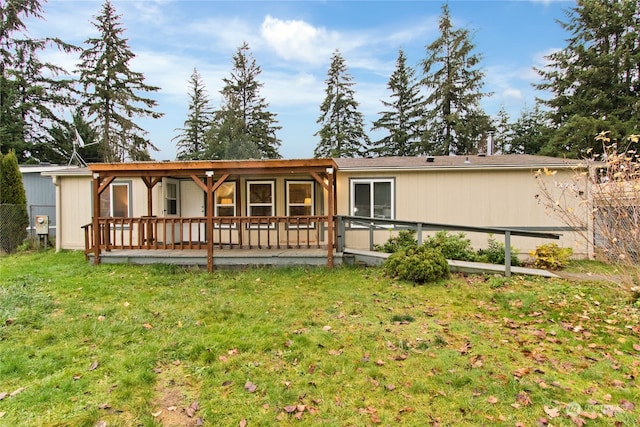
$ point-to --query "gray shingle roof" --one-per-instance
(519, 161)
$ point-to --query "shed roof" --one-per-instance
(511, 161)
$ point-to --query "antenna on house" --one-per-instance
(78, 142)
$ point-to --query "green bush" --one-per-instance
(404, 240)
(494, 253)
(452, 246)
(14, 218)
(551, 257)
(418, 264)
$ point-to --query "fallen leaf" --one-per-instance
(290, 409)
(155, 414)
(171, 408)
(636, 347)
(100, 424)
(2, 414)
(93, 366)
(523, 398)
(250, 387)
(578, 421)
(3, 395)
(326, 328)
(243, 423)
(590, 415)
(492, 399)
(104, 406)
(625, 404)
(390, 387)
(379, 362)
(126, 304)
(17, 391)
(552, 412)
(147, 326)
(335, 352)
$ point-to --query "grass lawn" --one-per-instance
(82, 345)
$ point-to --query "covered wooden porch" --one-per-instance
(267, 205)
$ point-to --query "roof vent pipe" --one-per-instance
(490, 144)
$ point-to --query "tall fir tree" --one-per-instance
(191, 141)
(402, 120)
(529, 133)
(114, 92)
(14, 218)
(595, 79)
(32, 92)
(501, 134)
(342, 125)
(454, 121)
(244, 118)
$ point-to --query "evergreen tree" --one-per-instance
(595, 79)
(227, 138)
(14, 218)
(191, 141)
(31, 92)
(112, 91)
(244, 118)
(529, 133)
(454, 121)
(64, 137)
(342, 131)
(402, 120)
(501, 136)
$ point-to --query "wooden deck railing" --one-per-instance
(190, 233)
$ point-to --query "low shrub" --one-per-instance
(494, 253)
(403, 240)
(452, 246)
(420, 265)
(551, 257)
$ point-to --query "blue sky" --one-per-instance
(292, 41)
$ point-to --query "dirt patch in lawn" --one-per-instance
(176, 402)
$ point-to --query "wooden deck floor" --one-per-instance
(221, 257)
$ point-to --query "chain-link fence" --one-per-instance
(14, 220)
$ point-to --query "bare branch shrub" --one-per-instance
(601, 201)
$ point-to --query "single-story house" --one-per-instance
(284, 204)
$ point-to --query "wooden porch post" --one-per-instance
(209, 220)
(95, 219)
(330, 213)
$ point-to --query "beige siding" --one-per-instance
(478, 197)
(75, 207)
(74, 202)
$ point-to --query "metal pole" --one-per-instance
(507, 254)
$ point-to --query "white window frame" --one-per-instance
(272, 204)
(371, 182)
(127, 185)
(233, 204)
(311, 204)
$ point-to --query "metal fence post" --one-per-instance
(507, 254)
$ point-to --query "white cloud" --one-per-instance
(512, 93)
(299, 41)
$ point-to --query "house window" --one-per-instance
(300, 198)
(115, 200)
(225, 199)
(260, 197)
(372, 198)
(300, 201)
(172, 198)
